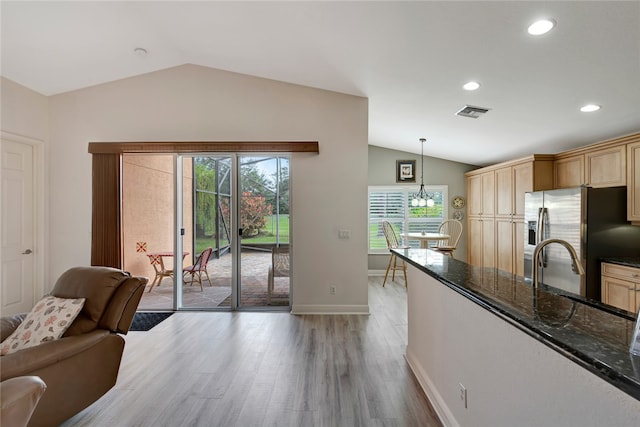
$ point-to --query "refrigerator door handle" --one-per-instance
(545, 235)
(538, 239)
(539, 227)
(542, 234)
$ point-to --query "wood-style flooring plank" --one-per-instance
(257, 369)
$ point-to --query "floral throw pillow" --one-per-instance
(47, 321)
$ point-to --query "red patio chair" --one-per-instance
(199, 267)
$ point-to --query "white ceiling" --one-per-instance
(409, 58)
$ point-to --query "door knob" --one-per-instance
(27, 252)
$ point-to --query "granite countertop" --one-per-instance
(629, 262)
(593, 335)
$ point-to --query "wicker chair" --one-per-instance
(199, 267)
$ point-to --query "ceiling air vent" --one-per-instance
(471, 111)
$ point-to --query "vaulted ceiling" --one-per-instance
(410, 59)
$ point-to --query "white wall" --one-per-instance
(24, 112)
(382, 171)
(511, 378)
(197, 103)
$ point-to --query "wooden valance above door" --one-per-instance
(204, 147)
(106, 230)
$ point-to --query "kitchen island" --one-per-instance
(488, 349)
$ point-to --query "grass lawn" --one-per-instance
(267, 235)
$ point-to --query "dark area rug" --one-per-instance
(145, 321)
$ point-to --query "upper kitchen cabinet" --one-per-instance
(606, 168)
(611, 163)
(569, 172)
(530, 174)
(598, 165)
(481, 194)
(633, 182)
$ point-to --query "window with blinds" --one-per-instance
(393, 204)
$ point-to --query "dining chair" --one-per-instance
(198, 268)
(392, 243)
(453, 228)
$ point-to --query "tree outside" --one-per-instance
(264, 202)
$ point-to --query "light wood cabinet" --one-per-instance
(621, 286)
(481, 242)
(474, 241)
(496, 194)
(569, 172)
(512, 182)
(523, 180)
(480, 194)
(488, 243)
(596, 168)
(606, 168)
(504, 192)
(505, 244)
(633, 183)
(505, 248)
(518, 261)
(474, 195)
(481, 208)
(509, 244)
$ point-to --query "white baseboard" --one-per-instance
(376, 272)
(438, 403)
(329, 309)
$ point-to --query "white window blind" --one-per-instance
(393, 204)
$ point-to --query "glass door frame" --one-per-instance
(258, 158)
(178, 235)
(234, 219)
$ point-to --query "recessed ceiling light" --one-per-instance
(540, 27)
(140, 51)
(589, 108)
(471, 86)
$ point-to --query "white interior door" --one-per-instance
(18, 269)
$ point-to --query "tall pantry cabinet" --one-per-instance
(495, 221)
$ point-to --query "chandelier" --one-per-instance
(422, 198)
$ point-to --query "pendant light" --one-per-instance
(422, 198)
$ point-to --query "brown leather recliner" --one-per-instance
(82, 365)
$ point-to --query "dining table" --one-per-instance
(425, 238)
(157, 261)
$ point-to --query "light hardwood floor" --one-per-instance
(269, 369)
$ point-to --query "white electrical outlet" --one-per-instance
(463, 395)
(332, 290)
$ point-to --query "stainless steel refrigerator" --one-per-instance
(592, 220)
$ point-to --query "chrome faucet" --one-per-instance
(575, 263)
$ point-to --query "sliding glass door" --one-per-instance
(263, 217)
(239, 245)
(210, 231)
(208, 276)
